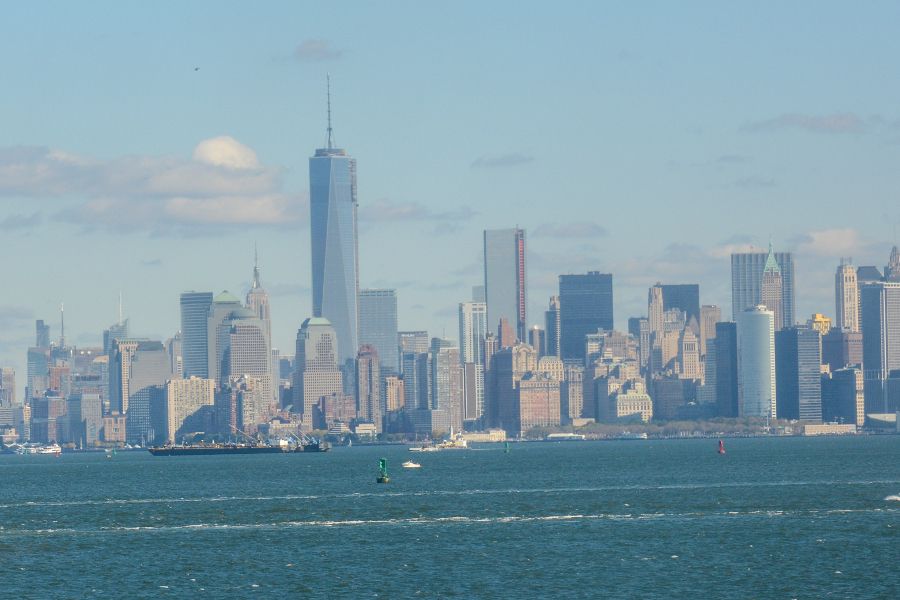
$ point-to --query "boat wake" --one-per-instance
(469, 492)
(445, 520)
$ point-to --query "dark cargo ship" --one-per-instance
(212, 449)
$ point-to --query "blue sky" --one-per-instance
(145, 147)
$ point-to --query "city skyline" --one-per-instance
(252, 178)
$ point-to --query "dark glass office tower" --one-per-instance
(585, 305)
(685, 297)
(505, 278)
(798, 375)
(726, 369)
(194, 344)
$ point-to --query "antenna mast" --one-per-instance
(328, 84)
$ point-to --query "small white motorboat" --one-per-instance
(411, 465)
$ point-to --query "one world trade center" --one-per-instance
(335, 254)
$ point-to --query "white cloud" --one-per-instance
(225, 151)
(222, 184)
(833, 123)
(832, 243)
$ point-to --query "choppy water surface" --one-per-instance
(773, 518)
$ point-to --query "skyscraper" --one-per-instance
(447, 381)
(121, 353)
(756, 362)
(473, 328)
(258, 301)
(798, 374)
(846, 297)
(472, 332)
(42, 334)
(368, 386)
(188, 401)
(710, 314)
(686, 298)
(842, 348)
(552, 327)
(243, 345)
(746, 282)
(771, 290)
(413, 341)
(504, 278)
(880, 323)
(378, 326)
(881, 327)
(222, 306)
(585, 305)
(316, 373)
(194, 314)
(892, 270)
(334, 240)
(149, 371)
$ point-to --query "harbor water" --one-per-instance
(771, 518)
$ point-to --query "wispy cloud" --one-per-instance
(754, 182)
(584, 229)
(837, 123)
(287, 289)
(513, 159)
(316, 50)
(732, 159)
(385, 210)
(222, 184)
(832, 243)
(22, 221)
(152, 262)
(12, 317)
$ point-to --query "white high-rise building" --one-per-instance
(185, 401)
(846, 297)
(316, 373)
(472, 331)
(756, 362)
(246, 352)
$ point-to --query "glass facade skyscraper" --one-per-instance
(798, 374)
(194, 344)
(335, 257)
(585, 306)
(504, 278)
(747, 278)
(685, 297)
(378, 327)
(726, 370)
(756, 362)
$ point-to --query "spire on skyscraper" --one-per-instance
(62, 326)
(329, 145)
(892, 273)
(771, 263)
(255, 284)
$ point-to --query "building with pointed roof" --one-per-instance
(747, 270)
(772, 289)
